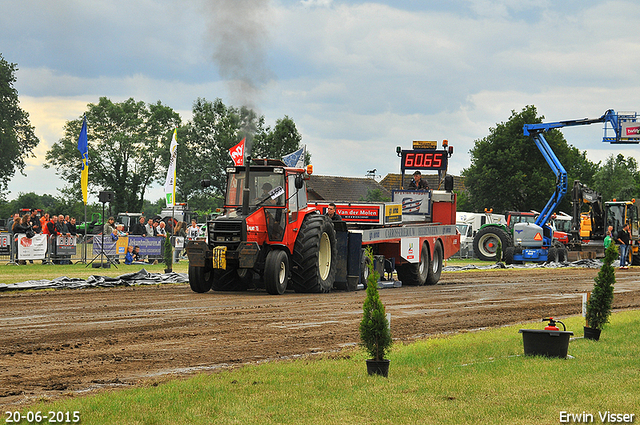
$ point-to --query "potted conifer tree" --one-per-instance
(168, 255)
(601, 299)
(375, 334)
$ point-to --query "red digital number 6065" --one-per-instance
(423, 160)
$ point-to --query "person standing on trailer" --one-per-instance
(418, 183)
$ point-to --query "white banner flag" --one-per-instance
(170, 182)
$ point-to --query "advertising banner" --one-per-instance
(109, 245)
(631, 130)
(410, 249)
(4, 244)
(34, 248)
(148, 245)
(65, 245)
(371, 213)
(414, 202)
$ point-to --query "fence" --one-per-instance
(68, 250)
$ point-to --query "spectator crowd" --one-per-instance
(34, 222)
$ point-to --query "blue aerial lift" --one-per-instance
(534, 241)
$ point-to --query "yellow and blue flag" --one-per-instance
(83, 147)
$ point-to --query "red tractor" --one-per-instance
(266, 236)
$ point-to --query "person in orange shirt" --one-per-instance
(43, 224)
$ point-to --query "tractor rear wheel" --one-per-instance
(415, 274)
(200, 279)
(276, 272)
(485, 243)
(436, 265)
(314, 255)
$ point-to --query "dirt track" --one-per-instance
(68, 341)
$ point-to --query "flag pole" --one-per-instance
(83, 147)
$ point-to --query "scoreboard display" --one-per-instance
(424, 159)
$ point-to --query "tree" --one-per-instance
(17, 136)
(375, 335)
(276, 143)
(617, 178)
(508, 172)
(599, 304)
(204, 150)
(48, 204)
(128, 150)
(375, 195)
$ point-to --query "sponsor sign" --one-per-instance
(631, 130)
(112, 247)
(4, 244)
(34, 248)
(395, 233)
(360, 213)
(109, 245)
(410, 249)
(366, 213)
(357, 213)
(393, 213)
(414, 202)
(65, 245)
(148, 245)
(425, 144)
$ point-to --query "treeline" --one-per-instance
(508, 172)
(61, 205)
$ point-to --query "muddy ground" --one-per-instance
(72, 342)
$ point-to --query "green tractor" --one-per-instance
(96, 221)
(485, 241)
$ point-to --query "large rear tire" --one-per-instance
(200, 279)
(314, 256)
(485, 243)
(436, 265)
(276, 272)
(415, 274)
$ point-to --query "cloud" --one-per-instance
(358, 77)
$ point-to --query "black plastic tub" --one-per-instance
(545, 343)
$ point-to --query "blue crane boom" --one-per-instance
(626, 130)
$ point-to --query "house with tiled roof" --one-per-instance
(343, 189)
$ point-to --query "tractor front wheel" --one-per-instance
(200, 279)
(276, 272)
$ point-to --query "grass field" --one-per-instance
(467, 378)
(37, 271)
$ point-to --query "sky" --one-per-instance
(357, 77)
